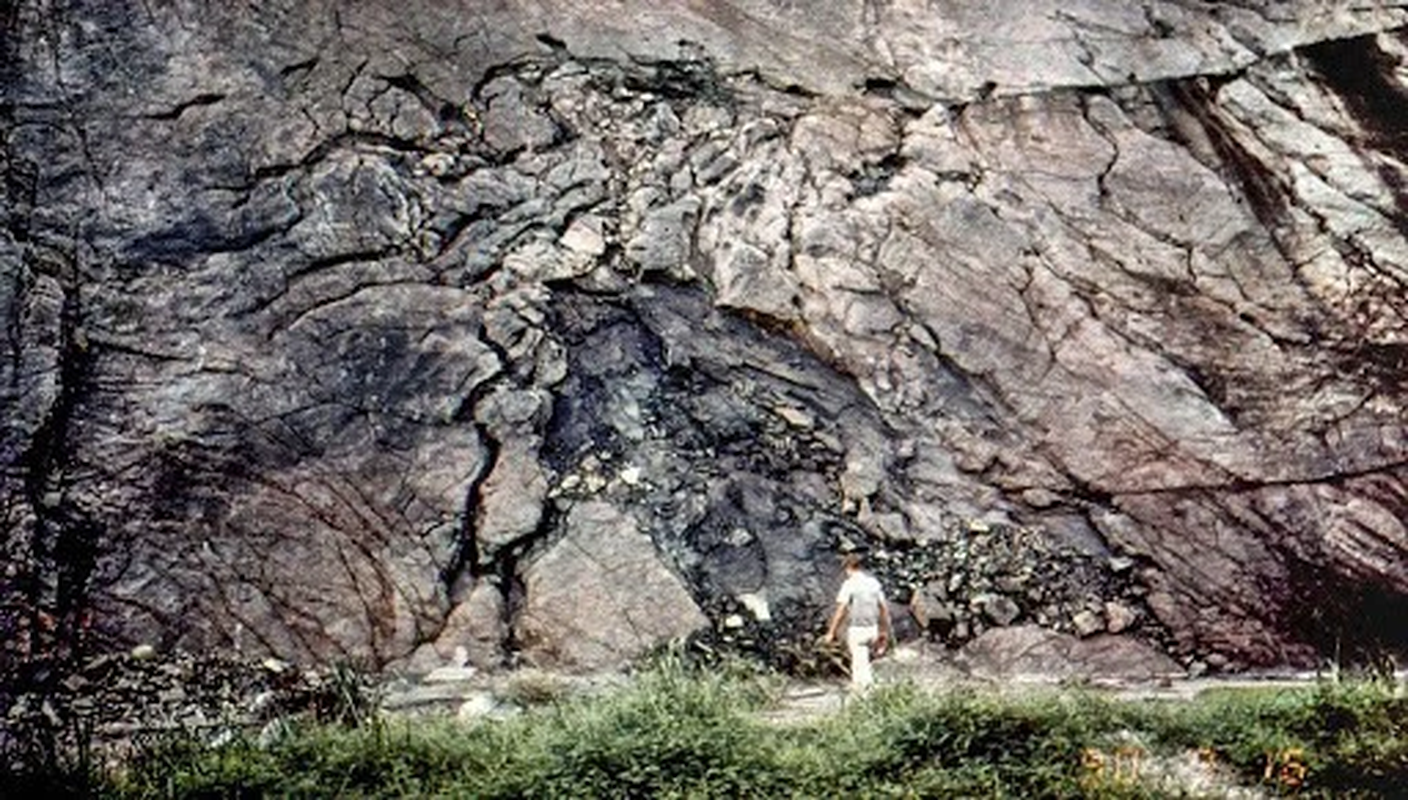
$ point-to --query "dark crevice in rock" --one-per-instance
(175, 112)
(334, 260)
(1265, 191)
(471, 560)
(1166, 287)
(897, 92)
(1213, 385)
(1233, 484)
(1397, 182)
(508, 580)
(551, 42)
(1364, 76)
(529, 69)
(63, 543)
(465, 558)
(453, 228)
(873, 178)
(1088, 497)
(296, 71)
(506, 572)
(330, 145)
(772, 84)
(1352, 619)
(1101, 180)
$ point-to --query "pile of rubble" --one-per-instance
(984, 576)
(950, 591)
(115, 699)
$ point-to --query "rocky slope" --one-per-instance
(553, 330)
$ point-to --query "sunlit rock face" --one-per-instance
(550, 331)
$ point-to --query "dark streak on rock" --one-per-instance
(1264, 190)
(1364, 76)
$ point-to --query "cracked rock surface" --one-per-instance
(551, 331)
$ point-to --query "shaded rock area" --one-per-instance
(548, 332)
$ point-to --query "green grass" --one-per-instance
(684, 732)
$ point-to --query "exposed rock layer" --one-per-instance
(324, 324)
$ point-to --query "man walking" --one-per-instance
(861, 602)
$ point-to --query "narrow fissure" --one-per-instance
(465, 559)
(63, 545)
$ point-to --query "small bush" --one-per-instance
(534, 688)
(1330, 739)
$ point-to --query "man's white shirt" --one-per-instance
(862, 596)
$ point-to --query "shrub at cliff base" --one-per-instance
(678, 732)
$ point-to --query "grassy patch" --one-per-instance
(682, 732)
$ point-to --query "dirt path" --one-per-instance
(801, 701)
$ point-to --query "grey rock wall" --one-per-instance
(553, 330)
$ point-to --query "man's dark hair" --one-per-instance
(852, 561)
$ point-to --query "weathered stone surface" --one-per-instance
(1034, 652)
(513, 495)
(601, 595)
(317, 314)
(473, 635)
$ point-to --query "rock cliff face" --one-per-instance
(551, 330)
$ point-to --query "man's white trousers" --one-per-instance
(858, 641)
